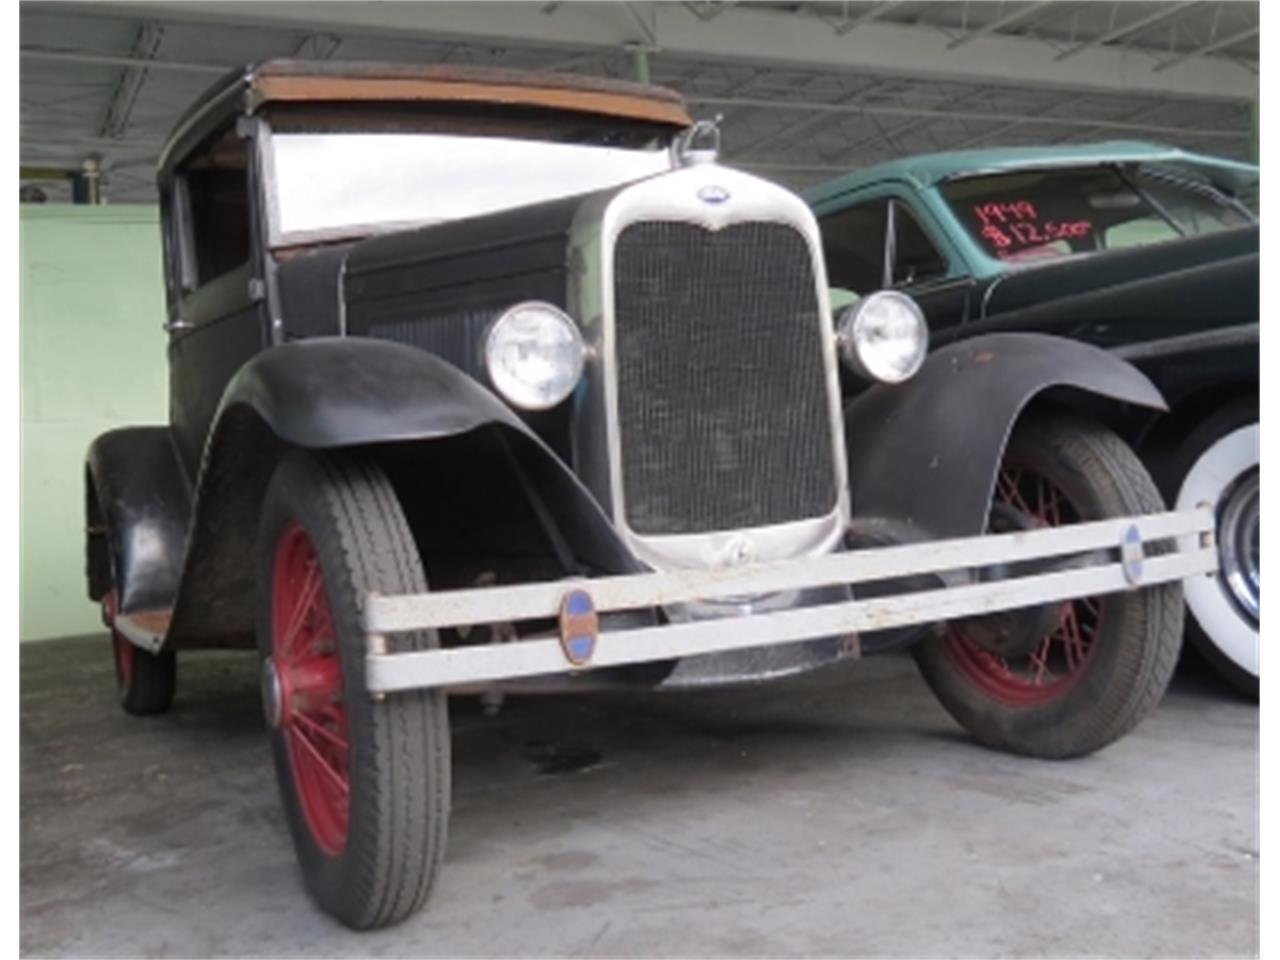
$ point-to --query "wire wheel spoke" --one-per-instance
(336, 778)
(309, 690)
(1075, 647)
(1008, 490)
(1054, 661)
(1047, 502)
(303, 610)
(1040, 660)
(320, 732)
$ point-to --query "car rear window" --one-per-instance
(1045, 214)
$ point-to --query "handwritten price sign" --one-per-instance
(1010, 227)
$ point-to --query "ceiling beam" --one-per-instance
(707, 9)
(1160, 16)
(918, 123)
(995, 25)
(317, 46)
(948, 114)
(54, 141)
(802, 125)
(745, 34)
(986, 135)
(145, 45)
(1208, 48)
(769, 165)
(117, 60)
(874, 12)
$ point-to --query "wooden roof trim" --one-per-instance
(348, 88)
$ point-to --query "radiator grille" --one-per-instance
(722, 402)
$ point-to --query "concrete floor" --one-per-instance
(841, 814)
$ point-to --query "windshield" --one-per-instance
(1046, 214)
(352, 183)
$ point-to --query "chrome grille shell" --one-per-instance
(678, 197)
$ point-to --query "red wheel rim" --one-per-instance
(1062, 656)
(312, 718)
(121, 648)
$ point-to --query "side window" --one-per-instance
(853, 246)
(211, 196)
(915, 258)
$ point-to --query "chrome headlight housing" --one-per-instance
(883, 337)
(534, 355)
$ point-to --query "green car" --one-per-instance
(1146, 250)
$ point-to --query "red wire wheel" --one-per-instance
(1062, 655)
(307, 702)
(364, 779)
(1063, 679)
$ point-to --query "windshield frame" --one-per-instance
(278, 239)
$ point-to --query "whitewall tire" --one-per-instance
(1225, 607)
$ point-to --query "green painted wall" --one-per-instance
(92, 358)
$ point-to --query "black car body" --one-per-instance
(487, 382)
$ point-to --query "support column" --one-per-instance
(85, 186)
(639, 62)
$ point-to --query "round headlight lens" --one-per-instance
(884, 337)
(534, 355)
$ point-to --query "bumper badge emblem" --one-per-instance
(579, 627)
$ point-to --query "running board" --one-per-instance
(576, 604)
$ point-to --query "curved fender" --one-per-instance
(926, 452)
(331, 392)
(339, 391)
(137, 505)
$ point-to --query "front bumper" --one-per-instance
(1107, 556)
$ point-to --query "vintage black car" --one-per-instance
(520, 338)
(1144, 249)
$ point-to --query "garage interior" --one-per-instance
(837, 814)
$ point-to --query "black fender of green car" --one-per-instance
(385, 399)
(925, 454)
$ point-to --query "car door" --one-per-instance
(217, 319)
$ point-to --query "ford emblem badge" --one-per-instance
(713, 194)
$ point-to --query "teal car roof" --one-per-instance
(1230, 176)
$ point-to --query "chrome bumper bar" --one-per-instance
(1112, 556)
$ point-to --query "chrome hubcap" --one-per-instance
(1238, 543)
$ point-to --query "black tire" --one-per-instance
(1220, 626)
(397, 759)
(151, 681)
(1136, 636)
(145, 682)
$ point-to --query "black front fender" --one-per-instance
(342, 391)
(926, 453)
(332, 393)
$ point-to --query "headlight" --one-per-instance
(534, 355)
(883, 337)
